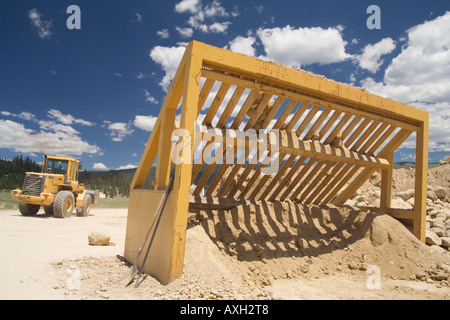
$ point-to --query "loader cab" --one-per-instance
(65, 166)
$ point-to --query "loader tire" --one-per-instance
(63, 205)
(28, 209)
(83, 211)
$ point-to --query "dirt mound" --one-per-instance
(284, 240)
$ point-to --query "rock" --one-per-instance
(439, 276)
(431, 195)
(98, 239)
(337, 142)
(411, 201)
(440, 192)
(353, 266)
(438, 231)
(445, 242)
(316, 136)
(431, 238)
(400, 203)
(437, 249)
(405, 195)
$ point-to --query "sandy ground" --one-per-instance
(47, 258)
(29, 246)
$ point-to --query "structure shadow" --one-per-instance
(268, 230)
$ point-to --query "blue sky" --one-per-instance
(94, 93)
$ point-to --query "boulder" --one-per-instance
(432, 239)
(431, 195)
(445, 242)
(405, 195)
(440, 192)
(98, 239)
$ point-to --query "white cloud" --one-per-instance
(203, 18)
(185, 32)
(146, 123)
(191, 6)
(370, 58)
(138, 17)
(23, 115)
(421, 72)
(119, 130)
(67, 118)
(420, 76)
(219, 27)
(149, 98)
(303, 46)
(56, 139)
(215, 9)
(168, 58)
(140, 75)
(43, 27)
(99, 166)
(128, 166)
(164, 33)
(243, 45)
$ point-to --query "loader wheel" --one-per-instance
(28, 209)
(63, 205)
(83, 211)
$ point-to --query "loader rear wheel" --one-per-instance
(28, 209)
(63, 205)
(83, 211)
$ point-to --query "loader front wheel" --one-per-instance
(28, 209)
(63, 205)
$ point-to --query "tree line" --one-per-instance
(112, 183)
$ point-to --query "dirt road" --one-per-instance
(29, 245)
(47, 258)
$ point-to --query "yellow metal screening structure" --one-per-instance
(332, 138)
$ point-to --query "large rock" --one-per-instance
(432, 239)
(98, 239)
(405, 195)
(440, 192)
(445, 242)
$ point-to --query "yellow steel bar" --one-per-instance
(391, 146)
(317, 124)
(165, 149)
(301, 174)
(420, 185)
(386, 184)
(183, 170)
(311, 84)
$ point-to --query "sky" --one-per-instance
(89, 82)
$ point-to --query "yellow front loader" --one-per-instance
(56, 188)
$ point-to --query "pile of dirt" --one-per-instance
(285, 240)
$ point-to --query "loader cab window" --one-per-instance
(56, 166)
